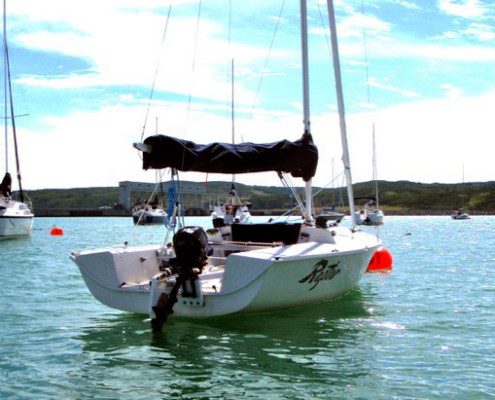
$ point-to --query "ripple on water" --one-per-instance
(413, 333)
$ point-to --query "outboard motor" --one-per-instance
(191, 255)
(191, 248)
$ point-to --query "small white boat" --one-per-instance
(369, 217)
(331, 216)
(222, 216)
(16, 219)
(149, 216)
(232, 212)
(460, 214)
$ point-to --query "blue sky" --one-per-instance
(421, 71)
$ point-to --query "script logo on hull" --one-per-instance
(321, 272)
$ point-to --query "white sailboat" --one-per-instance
(237, 268)
(232, 211)
(16, 216)
(328, 215)
(460, 213)
(149, 215)
(371, 215)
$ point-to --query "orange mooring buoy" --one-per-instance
(56, 231)
(381, 260)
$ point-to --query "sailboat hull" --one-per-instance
(460, 216)
(15, 226)
(370, 218)
(251, 281)
(15, 219)
(152, 217)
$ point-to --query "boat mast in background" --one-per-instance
(375, 170)
(5, 86)
(305, 72)
(340, 103)
(16, 217)
(10, 100)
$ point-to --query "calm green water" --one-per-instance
(425, 331)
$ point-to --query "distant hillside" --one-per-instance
(400, 195)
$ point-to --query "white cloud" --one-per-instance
(416, 141)
(476, 31)
(354, 25)
(410, 5)
(127, 53)
(422, 51)
(481, 32)
(425, 141)
(388, 87)
(429, 140)
(462, 8)
(451, 90)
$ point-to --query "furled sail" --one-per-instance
(298, 158)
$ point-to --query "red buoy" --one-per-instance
(381, 260)
(56, 231)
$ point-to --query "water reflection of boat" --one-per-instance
(299, 324)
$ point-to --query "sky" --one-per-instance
(419, 73)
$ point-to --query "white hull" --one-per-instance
(220, 217)
(15, 226)
(260, 279)
(149, 217)
(460, 216)
(370, 217)
(15, 219)
(332, 216)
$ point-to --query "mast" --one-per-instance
(5, 85)
(232, 111)
(340, 103)
(375, 170)
(305, 72)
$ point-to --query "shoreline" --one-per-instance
(65, 213)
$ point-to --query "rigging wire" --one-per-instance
(156, 72)
(5, 84)
(229, 58)
(193, 67)
(366, 56)
(266, 62)
(12, 116)
(327, 39)
(366, 64)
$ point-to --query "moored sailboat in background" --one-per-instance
(237, 268)
(460, 213)
(232, 211)
(370, 214)
(149, 214)
(16, 216)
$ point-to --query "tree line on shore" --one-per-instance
(394, 196)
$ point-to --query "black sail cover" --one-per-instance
(299, 158)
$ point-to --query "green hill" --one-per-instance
(400, 195)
